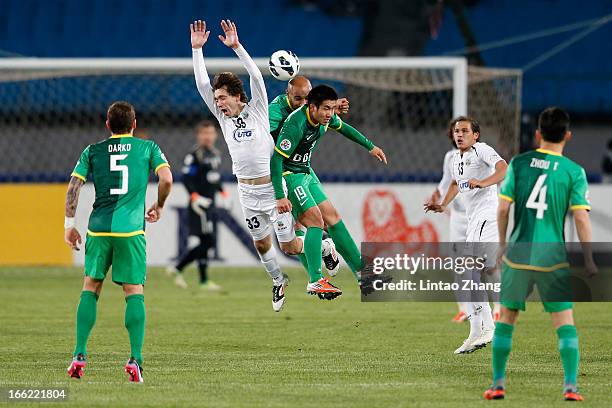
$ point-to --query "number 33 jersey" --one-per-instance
(119, 168)
(477, 163)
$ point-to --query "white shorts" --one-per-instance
(482, 240)
(458, 226)
(259, 209)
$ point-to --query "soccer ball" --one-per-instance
(284, 65)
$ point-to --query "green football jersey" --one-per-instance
(298, 138)
(278, 110)
(543, 185)
(120, 168)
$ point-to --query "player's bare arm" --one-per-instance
(283, 205)
(585, 235)
(453, 189)
(500, 172)
(231, 34)
(199, 35)
(163, 191)
(503, 213)
(71, 235)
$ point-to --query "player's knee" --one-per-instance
(92, 285)
(312, 218)
(263, 246)
(129, 289)
(331, 217)
(508, 316)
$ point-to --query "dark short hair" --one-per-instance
(321, 93)
(204, 124)
(120, 116)
(473, 123)
(232, 84)
(553, 123)
(450, 131)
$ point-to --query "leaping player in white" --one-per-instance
(477, 168)
(246, 130)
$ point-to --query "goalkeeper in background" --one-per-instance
(306, 198)
(202, 181)
(119, 168)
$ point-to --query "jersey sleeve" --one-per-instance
(203, 81)
(158, 158)
(488, 155)
(81, 170)
(349, 132)
(506, 191)
(259, 96)
(579, 196)
(276, 118)
(447, 174)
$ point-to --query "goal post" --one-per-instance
(55, 107)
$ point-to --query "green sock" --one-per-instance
(86, 318)
(502, 344)
(312, 250)
(570, 355)
(135, 324)
(302, 257)
(346, 247)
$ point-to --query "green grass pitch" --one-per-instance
(232, 350)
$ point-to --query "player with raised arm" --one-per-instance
(305, 196)
(458, 217)
(246, 130)
(119, 168)
(279, 110)
(542, 184)
(477, 168)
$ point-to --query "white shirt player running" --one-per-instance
(458, 217)
(250, 146)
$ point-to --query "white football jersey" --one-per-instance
(477, 163)
(447, 177)
(248, 134)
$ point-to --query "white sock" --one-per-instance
(475, 318)
(271, 265)
(487, 316)
(464, 307)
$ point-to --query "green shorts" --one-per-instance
(127, 255)
(304, 191)
(553, 287)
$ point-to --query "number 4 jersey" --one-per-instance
(543, 185)
(120, 168)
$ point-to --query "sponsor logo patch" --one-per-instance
(285, 144)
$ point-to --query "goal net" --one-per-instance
(51, 109)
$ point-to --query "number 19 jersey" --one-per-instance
(543, 185)
(119, 167)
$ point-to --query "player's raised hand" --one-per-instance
(72, 238)
(199, 35)
(231, 34)
(342, 107)
(154, 213)
(379, 154)
(283, 205)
